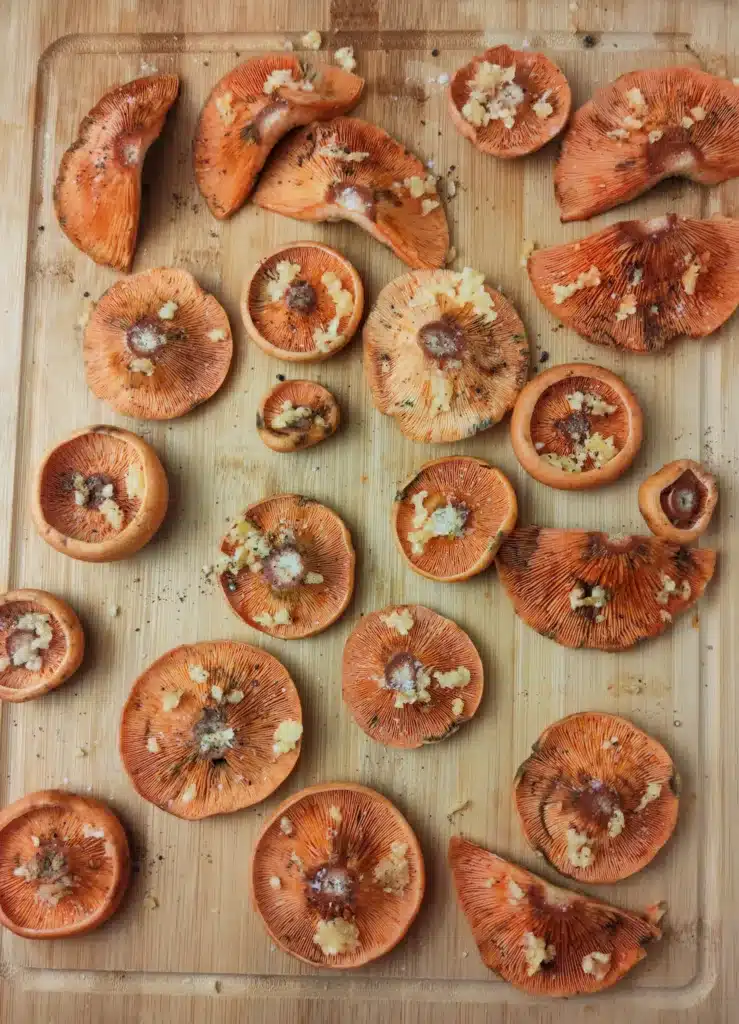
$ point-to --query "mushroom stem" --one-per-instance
(682, 499)
(442, 338)
(300, 297)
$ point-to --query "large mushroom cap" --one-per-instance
(597, 796)
(678, 501)
(640, 283)
(249, 111)
(347, 169)
(444, 354)
(544, 940)
(97, 196)
(594, 590)
(647, 125)
(41, 644)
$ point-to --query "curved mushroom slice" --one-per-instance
(544, 940)
(297, 414)
(509, 102)
(444, 354)
(598, 797)
(250, 110)
(41, 644)
(595, 590)
(410, 676)
(337, 875)
(646, 126)
(97, 196)
(347, 169)
(678, 501)
(640, 283)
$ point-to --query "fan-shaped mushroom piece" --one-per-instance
(444, 354)
(249, 111)
(97, 196)
(647, 125)
(544, 940)
(509, 102)
(337, 875)
(41, 644)
(594, 590)
(638, 284)
(297, 414)
(678, 501)
(598, 797)
(347, 169)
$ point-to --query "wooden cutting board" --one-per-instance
(202, 954)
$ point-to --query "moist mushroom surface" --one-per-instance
(678, 501)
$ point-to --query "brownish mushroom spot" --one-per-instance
(684, 500)
(579, 424)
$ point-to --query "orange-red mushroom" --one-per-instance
(677, 502)
(297, 414)
(41, 644)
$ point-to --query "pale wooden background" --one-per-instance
(165, 965)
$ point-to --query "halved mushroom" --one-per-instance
(677, 502)
(97, 196)
(451, 517)
(297, 414)
(64, 865)
(210, 728)
(337, 875)
(444, 354)
(156, 345)
(287, 566)
(509, 102)
(638, 284)
(544, 940)
(347, 169)
(594, 590)
(598, 797)
(410, 676)
(303, 302)
(100, 495)
(41, 644)
(248, 112)
(647, 125)
(576, 426)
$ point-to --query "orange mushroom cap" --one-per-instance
(97, 196)
(638, 284)
(156, 345)
(647, 125)
(677, 501)
(303, 302)
(544, 940)
(287, 566)
(509, 102)
(444, 354)
(64, 865)
(210, 728)
(594, 590)
(347, 169)
(451, 517)
(598, 797)
(410, 676)
(41, 644)
(100, 495)
(576, 426)
(337, 875)
(297, 414)
(248, 112)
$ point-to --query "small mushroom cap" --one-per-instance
(599, 591)
(659, 279)
(541, 938)
(240, 123)
(692, 119)
(609, 783)
(305, 433)
(97, 196)
(539, 78)
(60, 659)
(681, 522)
(482, 363)
(348, 169)
(354, 829)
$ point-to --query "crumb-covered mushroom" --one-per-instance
(297, 414)
(41, 644)
(678, 501)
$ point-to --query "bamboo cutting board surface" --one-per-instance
(203, 950)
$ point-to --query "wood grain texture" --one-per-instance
(202, 956)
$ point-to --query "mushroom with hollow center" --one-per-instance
(297, 414)
(41, 644)
(677, 502)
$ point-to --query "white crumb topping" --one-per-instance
(627, 307)
(135, 482)
(335, 815)
(275, 882)
(446, 521)
(197, 673)
(26, 654)
(592, 404)
(598, 597)
(334, 151)
(515, 892)
(597, 964)
(189, 794)
(669, 589)
(171, 699)
(585, 279)
(542, 107)
(112, 512)
(690, 277)
(234, 697)
(313, 578)
(286, 737)
(284, 274)
(152, 745)
(286, 826)
(344, 57)
(655, 135)
(579, 854)
(651, 793)
(336, 936)
(168, 310)
(282, 78)
(493, 96)
(217, 335)
(224, 106)
(290, 416)
(90, 832)
(393, 871)
(457, 677)
(311, 40)
(616, 823)
(341, 297)
(143, 365)
(400, 619)
(281, 617)
(457, 707)
(536, 952)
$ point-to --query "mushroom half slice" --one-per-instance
(638, 284)
(249, 111)
(97, 196)
(646, 126)
(347, 169)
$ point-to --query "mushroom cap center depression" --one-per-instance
(681, 500)
(442, 338)
(284, 568)
(144, 337)
(212, 734)
(401, 673)
(332, 888)
(596, 801)
(357, 199)
(300, 297)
